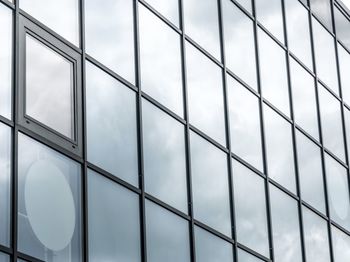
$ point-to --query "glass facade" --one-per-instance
(178, 130)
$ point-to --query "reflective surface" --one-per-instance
(169, 9)
(167, 235)
(164, 157)
(344, 65)
(341, 245)
(210, 185)
(4, 258)
(160, 58)
(347, 123)
(111, 125)
(246, 257)
(342, 24)
(113, 221)
(322, 9)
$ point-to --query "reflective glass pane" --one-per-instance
(325, 56)
(4, 258)
(111, 125)
(247, 4)
(338, 192)
(315, 237)
(322, 9)
(299, 42)
(5, 184)
(285, 225)
(205, 94)
(250, 206)
(169, 9)
(210, 185)
(202, 24)
(109, 33)
(210, 248)
(5, 61)
(310, 172)
(244, 123)
(279, 149)
(269, 13)
(347, 122)
(164, 157)
(344, 65)
(273, 70)
(167, 235)
(49, 96)
(304, 99)
(49, 203)
(246, 257)
(160, 61)
(332, 128)
(239, 43)
(114, 229)
(50, 13)
(342, 25)
(341, 245)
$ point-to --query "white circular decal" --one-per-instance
(50, 205)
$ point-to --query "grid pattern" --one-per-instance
(241, 139)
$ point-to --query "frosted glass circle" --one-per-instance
(50, 205)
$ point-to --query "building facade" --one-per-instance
(174, 130)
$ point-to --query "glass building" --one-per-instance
(174, 130)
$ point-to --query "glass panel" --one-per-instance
(341, 245)
(164, 157)
(239, 43)
(338, 192)
(347, 123)
(5, 61)
(109, 32)
(310, 172)
(304, 99)
(169, 9)
(273, 69)
(210, 185)
(4, 258)
(325, 56)
(285, 225)
(205, 94)
(49, 203)
(342, 25)
(5, 184)
(269, 13)
(160, 61)
(315, 237)
(167, 235)
(50, 13)
(250, 205)
(332, 128)
(114, 225)
(202, 24)
(344, 65)
(111, 125)
(279, 149)
(49, 87)
(245, 123)
(210, 248)
(247, 4)
(322, 9)
(246, 257)
(297, 18)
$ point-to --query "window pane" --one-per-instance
(169, 9)
(113, 221)
(49, 87)
(246, 257)
(322, 9)
(111, 125)
(210, 248)
(273, 71)
(304, 99)
(310, 172)
(210, 185)
(4, 258)
(347, 123)
(167, 235)
(285, 225)
(342, 25)
(279, 149)
(338, 192)
(269, 13)
(315, 237)
(202, 24)
(332, 128)
(50, 13)
(239, 43)
(160, 61)
(49, 203)
(341, 245)
(298, 31)
(5, 61)
(109, 32)
(250, 205)
(205, 94)
(5, 184)
(245, 123)
(164, 157)
(247, 4)
(325, 56)
(344, 65)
